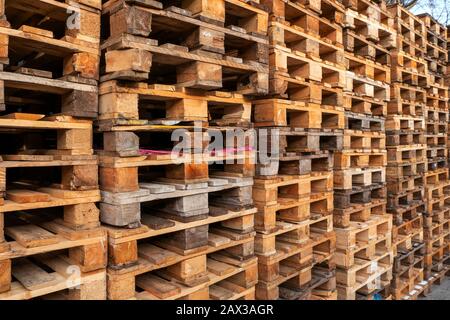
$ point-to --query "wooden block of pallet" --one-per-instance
(5, 275)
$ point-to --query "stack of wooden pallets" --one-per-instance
(437, 183)
(180, 224)
(301, 122)
(447, 82)
(265, 149)
(51, 243)
(406, 147)
(363, 229)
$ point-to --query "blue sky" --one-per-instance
(439, 9)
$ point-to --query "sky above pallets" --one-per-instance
(439, 9)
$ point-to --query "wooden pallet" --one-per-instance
(363, 240)
(408, 25)
(298, 38)
(298, 140)
(323, 284)
(371, 272)
(406, 154)
(436, 115)
(409, 256)
(358, 177)
(375, 10)
(426, 286)
(407, 235)
(269, 191)
(356, 196)
(27, 235)
(414, 47)
(438, 102)
(406, 170)
(404, 138)
(397, 185)
(375, 27)
(434, 128)
(211, 57)
(355, 121)
(49, 274)
(26, 199)
(434, 261)
(58, 47)
(296, 163)
(297, 89)
(361, 46)
(297, 65)
(406, 281)
(406, 76)
(405, 123)
(436, 52)
(63, 95)
(198, 69)
(124, 208)
(436, 177)
(358, 213)
(291, 210)
(407, 100)
(437, 191)
(437, 75)
(406, 206)
(289, 233)
(434, 28)
(246, 17)
(278, 112)
(351, 159)
(225, 265)
(368, 69)
(382, 291)
(364, 105)
(290, 268)
(405, 198)
(415, 66)
(437, 163)
(308, 17)
(331, 10)
(363, 140)
(160, 104)
(407, 212)
(407, 62)
(366, 87)
(135, 154)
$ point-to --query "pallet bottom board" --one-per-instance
(60, 278)
(213, 283)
